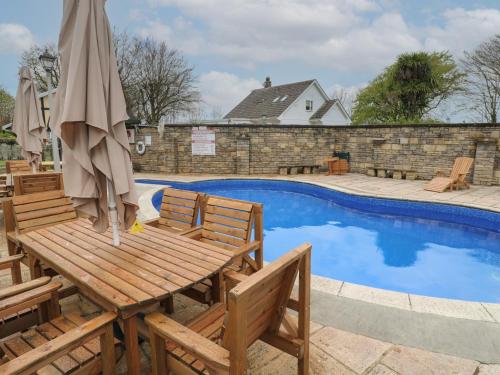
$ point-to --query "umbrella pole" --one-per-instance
(113, 213)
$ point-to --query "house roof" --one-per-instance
(269, 102)
(323, 109)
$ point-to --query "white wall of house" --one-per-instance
(335, 116)
(296, 114)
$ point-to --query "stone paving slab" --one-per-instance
(356, 352)
(451, 308)
(410, 361)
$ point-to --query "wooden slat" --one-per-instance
(184, 194)
(19, 209)
(181, 202)
(104, 274)
(178, 209)
(37, 197)
(222, 238)
(226, 221)
(235, 232)
(147, 262)
(231, 204)
(30, 215)
(46, 220)
(77, 275)
(241, 215)
(175, 216)
(174, 224)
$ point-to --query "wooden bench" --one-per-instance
(216, 342)
(59, 345)
(37, 183)
(295, 169)
(229, 223)
(17, 166)
(4, 191)
(179, 210)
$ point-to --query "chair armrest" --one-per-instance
(440, 174)
(152, 222)
(16, 303)
(192, 233)
(24, 287)
(211, 354)
(247, 248)
(47, 353)
(10, 261)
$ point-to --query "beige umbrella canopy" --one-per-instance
(28, 120)
(90, 115)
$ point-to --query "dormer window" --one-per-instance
(309, 105)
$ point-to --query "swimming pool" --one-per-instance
(420, 248)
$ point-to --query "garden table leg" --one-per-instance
(132, 345)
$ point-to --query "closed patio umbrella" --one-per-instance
(90, 115)
(28, 120)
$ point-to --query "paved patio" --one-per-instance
(334, 350)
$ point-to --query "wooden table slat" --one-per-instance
(155, 255)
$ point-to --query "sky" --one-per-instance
(235, 44)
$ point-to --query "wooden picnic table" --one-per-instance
(132, 278)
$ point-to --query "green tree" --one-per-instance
(6, 107)
(408, 90)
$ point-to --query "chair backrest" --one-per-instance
(17, 166)
(461, 167)
(37, 183)
(179, 208)
(228, 222)
(257, 306)
(3, 179)
(33, 211)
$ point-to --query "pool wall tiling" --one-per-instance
(423, 210)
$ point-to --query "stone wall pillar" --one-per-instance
(484, 163)
(243, 156)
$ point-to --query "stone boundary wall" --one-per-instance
(262, 149)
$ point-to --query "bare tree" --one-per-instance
(30, 58)
(164, 83)
(482, 67)
(346, 97)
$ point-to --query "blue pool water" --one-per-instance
(428, 249)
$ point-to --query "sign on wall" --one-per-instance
(202, 141)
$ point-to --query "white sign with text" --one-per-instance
(202, 141)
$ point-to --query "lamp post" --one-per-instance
(48, 62)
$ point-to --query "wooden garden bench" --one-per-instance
(461, 168)
(17, 166)
(179, 210)
(216, 342)
(229, 223)
(37, 183)
(59, 345)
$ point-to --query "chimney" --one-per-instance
(267, 83)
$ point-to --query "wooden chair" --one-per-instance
(32, 211)
(28, 317)
(229, 223)
(37, 183)
(456, 180)
(17, 166)
(216, 342)
(60, 344)
(179, 210)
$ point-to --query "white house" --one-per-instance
(300, 103)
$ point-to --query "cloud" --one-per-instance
(221, 91)
(463, 30)
(360, 36)
(14, 38)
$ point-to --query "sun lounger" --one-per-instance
(456, 180)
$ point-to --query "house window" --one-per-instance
(309, 105)
(284, 98)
